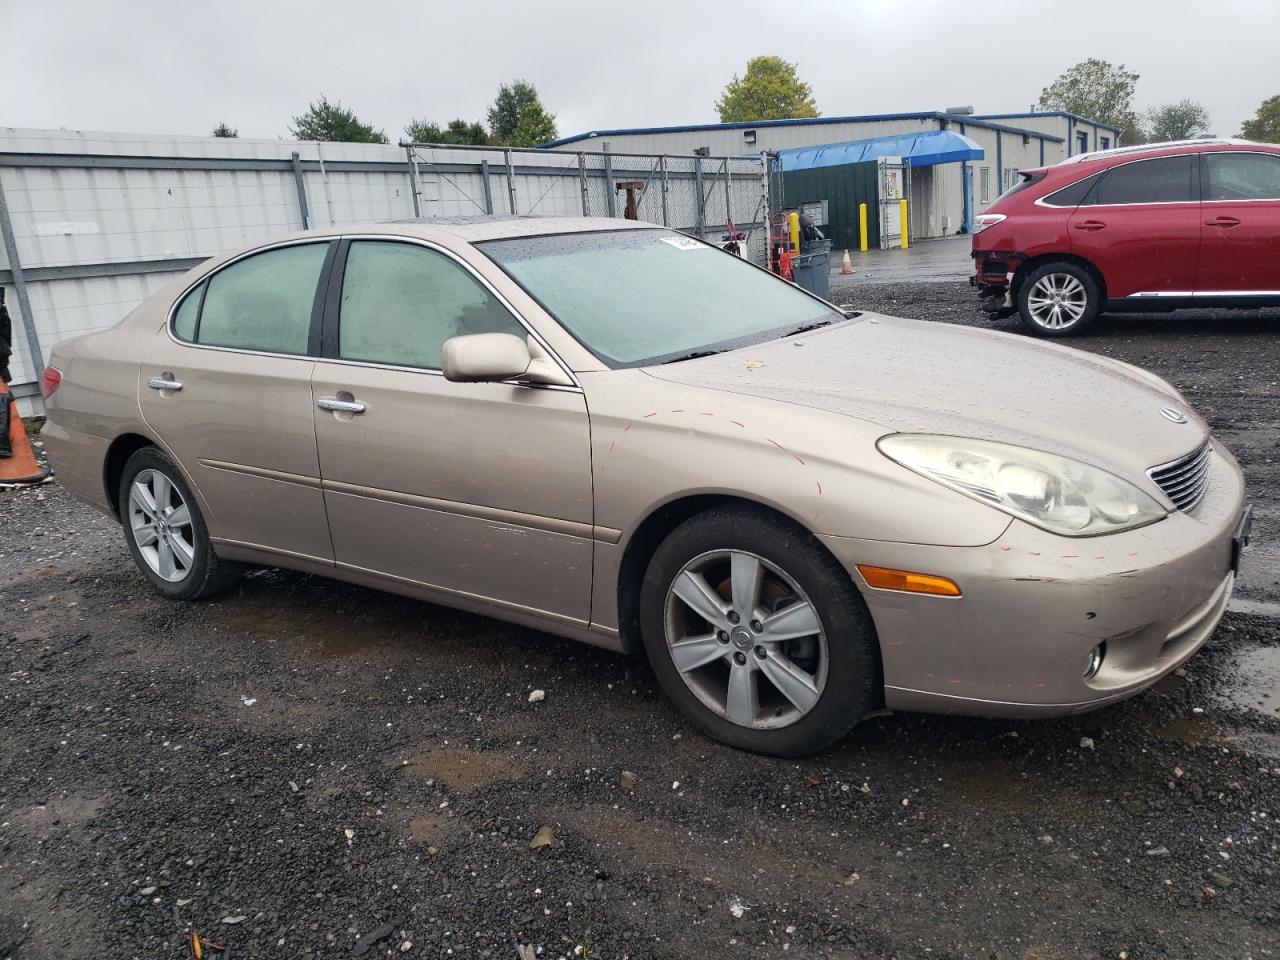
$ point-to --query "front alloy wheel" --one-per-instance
(746, 640)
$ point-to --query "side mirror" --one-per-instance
(494, 357)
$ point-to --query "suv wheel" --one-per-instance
(757, 634)
(1058, 300)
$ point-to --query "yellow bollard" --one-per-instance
(795, 231)
(862, 227)
(902, 218)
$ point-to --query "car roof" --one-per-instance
(487, 227)
(1165, 148)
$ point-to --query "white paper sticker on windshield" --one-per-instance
(684, 243)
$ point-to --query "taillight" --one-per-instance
(984, 220)
(50, 382)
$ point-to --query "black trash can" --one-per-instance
(811, 267)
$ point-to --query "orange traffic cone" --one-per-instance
(19, 468)
(846, 265)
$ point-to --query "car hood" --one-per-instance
(911, 376)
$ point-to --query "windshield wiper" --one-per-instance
(807, 327)
(694, 356)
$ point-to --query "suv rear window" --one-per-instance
(1025, 180)
(1161, 180)
(1073, 195)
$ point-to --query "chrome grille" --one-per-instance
(1184, 480)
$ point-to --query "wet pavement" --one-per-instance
(302, 768)
(926, 261)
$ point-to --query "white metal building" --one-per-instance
(1010, 142)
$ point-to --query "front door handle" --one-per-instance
(165, 381)
(1090, 225)
(340, 406)
(1222, 222)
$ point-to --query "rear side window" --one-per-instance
(1242, 176)
(401, 302)
(1073, 195)
(263, 302)
(1162, 180)
(184, 321)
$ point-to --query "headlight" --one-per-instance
(1062, 496)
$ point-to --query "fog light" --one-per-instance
(1094, 663)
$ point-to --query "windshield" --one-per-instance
(634, 297)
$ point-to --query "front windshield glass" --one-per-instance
(644, 296)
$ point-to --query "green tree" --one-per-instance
(332, 121)
(222, 130)
(1098, 91)
(518, 118)
(1178, 121)
(457, 131)
(770, 90)
(1265, 125)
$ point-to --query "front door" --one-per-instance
(473, 489)
(229, 393)
(1240, 254)
(1140, 226)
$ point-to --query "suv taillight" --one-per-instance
(50, 382)
(984, 220)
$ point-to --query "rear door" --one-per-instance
(473, 489)
(1241, 211)
(1140, 225)
(227, 387)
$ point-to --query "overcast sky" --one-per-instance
(178, 67)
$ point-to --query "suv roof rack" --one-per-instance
(1139, 148)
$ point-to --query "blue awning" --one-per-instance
(922, 149)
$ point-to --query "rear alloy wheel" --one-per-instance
(165, 530)
(757, 634)
(1058, 300)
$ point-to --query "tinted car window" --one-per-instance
(401, 302)
(1163, 180)
(184, 321)
(264, 301)
(1242, 176)
(1073, 195)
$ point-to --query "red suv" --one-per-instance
(1158, 226)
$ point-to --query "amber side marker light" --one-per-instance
(882, 578)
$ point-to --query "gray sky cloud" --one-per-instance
(180, 67)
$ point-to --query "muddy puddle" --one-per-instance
(1253, 682)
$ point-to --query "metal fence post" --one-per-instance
(610, 192)
(302, 191)
(582, 180)
(511, 181)
(662, 163)
(412, 157)
(701, 222)
(488, 187)
(36, 358)
(728, 198)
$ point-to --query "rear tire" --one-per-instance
(166, 532)
(757, 634)
(1058, 300)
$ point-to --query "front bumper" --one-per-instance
(1035, 606)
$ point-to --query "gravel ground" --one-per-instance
(302, 768)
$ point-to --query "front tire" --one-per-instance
(1058, 300)
(757, 634)
(166, 532)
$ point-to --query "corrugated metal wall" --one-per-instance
(101, 221)
(843, 188)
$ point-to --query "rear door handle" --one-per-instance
(340, 406)
(164, 382)
(1090, 225)
(1222, 222)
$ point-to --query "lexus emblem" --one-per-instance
(1173, 414)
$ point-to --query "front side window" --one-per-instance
(643, 296)
(1242, 176)
(1162, 180)
(401, 302)
(263, 302)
